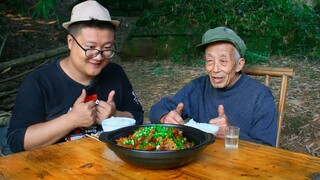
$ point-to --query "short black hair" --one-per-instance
(76, 27)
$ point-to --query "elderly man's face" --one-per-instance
(221, 65)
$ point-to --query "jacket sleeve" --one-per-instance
(167, 104)
(28, 110)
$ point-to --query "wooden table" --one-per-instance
(90, 159)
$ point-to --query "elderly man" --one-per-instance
(224, 96)
(71, 96)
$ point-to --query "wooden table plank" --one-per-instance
(252, 160)
(88, 158)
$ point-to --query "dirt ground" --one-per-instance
(153, 79)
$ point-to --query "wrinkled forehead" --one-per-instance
(219, 49)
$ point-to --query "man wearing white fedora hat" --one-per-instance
(69, 97)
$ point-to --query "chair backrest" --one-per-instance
(267, 73)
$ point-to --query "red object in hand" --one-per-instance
(92, 97)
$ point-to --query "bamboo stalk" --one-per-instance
(8, 93)
(33, 58)
(23, 73)
(3, 42)
(7, 103)
(8, 87)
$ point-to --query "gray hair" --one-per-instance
(236, 55)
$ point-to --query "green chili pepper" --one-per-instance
(157, 134)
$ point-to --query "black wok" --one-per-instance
(158, 159)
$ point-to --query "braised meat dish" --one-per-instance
(156, 138)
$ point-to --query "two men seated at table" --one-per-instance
(57, 102)
(224, 96)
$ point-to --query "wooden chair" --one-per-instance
(267, 73)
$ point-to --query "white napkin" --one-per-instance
(208, 128)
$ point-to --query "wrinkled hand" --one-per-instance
(221, 121)
(106, 109)
(82, 113)
(174, 116)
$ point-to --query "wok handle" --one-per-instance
(211, 138)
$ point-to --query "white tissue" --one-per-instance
(208, 128)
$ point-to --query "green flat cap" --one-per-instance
(222, 34)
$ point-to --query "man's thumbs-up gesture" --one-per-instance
(174, 116)
(221, 121)
(106, 109)
(83, 113)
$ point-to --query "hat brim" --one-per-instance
(202, 47)
(67, 24)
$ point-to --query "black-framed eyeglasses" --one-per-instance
(91, 53)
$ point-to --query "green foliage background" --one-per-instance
(285, 27)
(280, 27)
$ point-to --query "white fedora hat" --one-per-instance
(89, 10)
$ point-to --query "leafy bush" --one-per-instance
(45, 9)
(275, 26)
(40, 9)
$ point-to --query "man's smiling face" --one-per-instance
(90, 38)
(221, 64)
